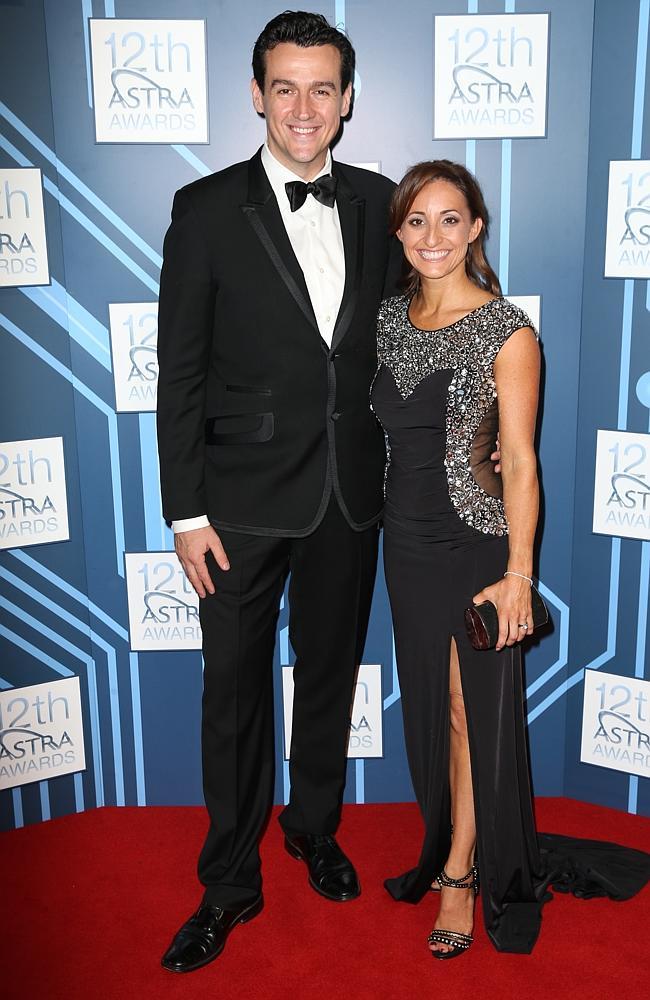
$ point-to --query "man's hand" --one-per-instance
(496, 455)
(191, 547)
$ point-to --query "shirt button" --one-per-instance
(327, 319)
(322, 270)
(312, 223)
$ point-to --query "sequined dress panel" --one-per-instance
(436, 398)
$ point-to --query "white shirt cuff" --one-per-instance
(190, 523)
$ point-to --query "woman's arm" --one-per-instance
(516, 373)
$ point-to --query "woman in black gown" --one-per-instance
(457, 363)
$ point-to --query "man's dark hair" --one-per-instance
(304, 29)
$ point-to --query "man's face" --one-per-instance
(302, 103)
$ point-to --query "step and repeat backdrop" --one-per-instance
(106, 108)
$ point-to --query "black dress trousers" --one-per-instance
(332, 577)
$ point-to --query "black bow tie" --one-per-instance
(323, 190)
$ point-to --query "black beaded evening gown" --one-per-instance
(445, 538)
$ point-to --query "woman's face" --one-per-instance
(437, 230)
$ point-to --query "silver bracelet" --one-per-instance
(511, 572)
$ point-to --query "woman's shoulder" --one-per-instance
(489, 327)
(509, 316)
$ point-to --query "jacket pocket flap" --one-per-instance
(239, 428)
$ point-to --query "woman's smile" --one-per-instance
(433, 255)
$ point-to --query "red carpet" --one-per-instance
(90, 902)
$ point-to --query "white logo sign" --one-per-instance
(23, 246)
(627, 253)
(531, 304)
(163, 606)
(134, 336)
(490, 76)
(33, 501)
(41, 732)
(149, 80)
(367, 712)
(622, 488)
(616, 723)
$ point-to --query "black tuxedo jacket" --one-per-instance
(258, 420)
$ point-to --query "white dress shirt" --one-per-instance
(314, 231)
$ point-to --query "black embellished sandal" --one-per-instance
(455, 940)
(435, 885)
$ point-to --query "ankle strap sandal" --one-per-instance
(454, 940)
(457, 942)
(456, 883)
(460, 883)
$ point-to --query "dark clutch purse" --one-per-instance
(482, 620)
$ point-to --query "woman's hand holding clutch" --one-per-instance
(511, 597)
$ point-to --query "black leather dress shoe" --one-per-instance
(203, 937)
(330, 872)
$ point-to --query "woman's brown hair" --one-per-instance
(414, 180)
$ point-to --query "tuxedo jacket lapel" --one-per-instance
(262, 212)
(263, 215)
(352, 214)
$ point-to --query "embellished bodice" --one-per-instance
(435, 396)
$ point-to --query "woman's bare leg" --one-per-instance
(457, 905)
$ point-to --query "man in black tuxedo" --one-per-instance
(271, 461)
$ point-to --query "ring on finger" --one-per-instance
(523, 625)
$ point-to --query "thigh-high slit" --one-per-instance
(430, 584)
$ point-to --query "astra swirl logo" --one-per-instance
(628, 505)
(480, 97)
(618, 729)
(15, 505)
(473, 84)
(169, 618)
(19, 743)
(637, 226)
(144, 362)
(144, 92)
(618, 739)
(168, 608)
(628, 491)
(28, 756)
